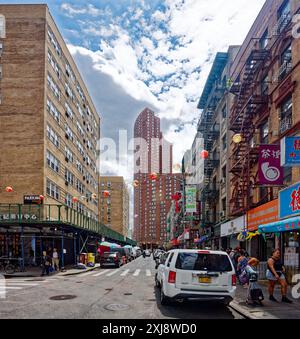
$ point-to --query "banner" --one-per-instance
(290, 151)
(289, 201)
(190, 200)
(270, 171)
(262, 215)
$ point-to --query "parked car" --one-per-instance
(196, 274)
(147, 253)
(125, 254)
(110, 259)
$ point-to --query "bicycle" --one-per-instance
(10, 268)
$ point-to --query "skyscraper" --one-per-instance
(154, 182)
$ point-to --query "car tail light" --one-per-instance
(204, 252)
(172, 277)
(234, 280)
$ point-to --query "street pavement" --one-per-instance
(125, 293)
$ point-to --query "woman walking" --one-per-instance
(241, 269)
(275, 273)
(46, 263)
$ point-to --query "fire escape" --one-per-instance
(250, 102)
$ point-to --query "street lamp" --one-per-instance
(237, 138)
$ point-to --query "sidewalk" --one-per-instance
(270, 310)
(36, 272)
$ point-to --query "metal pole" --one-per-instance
(62, 251)
(23, 254)
(75, 249)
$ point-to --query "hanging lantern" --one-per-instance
(177, 167)
(153, 176)
(204, 154)
(42, 197)
(9, 189)
(135, 183)
(237, 138)
(94, 196)
(75, 199)
(106, 194)
(136, 216)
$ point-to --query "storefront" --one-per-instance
(230, 231)
(261, 247)
(287, 228)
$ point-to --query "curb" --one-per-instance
(79, 272)
(254, 314)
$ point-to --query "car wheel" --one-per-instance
(157, 284)
(165, 301)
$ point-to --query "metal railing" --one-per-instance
(56, 214)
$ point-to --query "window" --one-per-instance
(69, 111)
(79, 166)
(263, 43)
(52, 190)
(69, 133)
(79, 147)
(53, 86)
(2, 27)
(70, 73)
(265, 85)
(80, 187)
(53, 136)
(224, 172)
(80, 129)
(53, 162)
(1, 49)
(69, 154)
(68, 200)
(53, 110)
(224, 112)
(286, 62)
(54, 64)
(69, 92)
(69, 177)
(54, 42)
(224, 142)
(286, 112)
(264, 133)
(284, 16)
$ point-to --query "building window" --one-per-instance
(2, 27)
(286, 64)
(54, 64)
(263, 43)
(224, 112)
(224, 174)
(264, 133)
(286, 114)
(69, 111)
(69, 155)
(284, 16)
(69, 133)
(1, 49)
(53, 162)
(53, 137)
(69, 177)
(224, 142)
(68, 200)
(265, 85)
(53, 86)
(54, 42)
(52, 190)
(53, 110)
(80, 187)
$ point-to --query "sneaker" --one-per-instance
(286, 300)
(273, 299)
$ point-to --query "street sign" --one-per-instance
(32, 200)
(289, 201)
(191, 205)
(270, 171)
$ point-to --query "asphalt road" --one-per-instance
(125, 293)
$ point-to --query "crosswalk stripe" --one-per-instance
(10, 288)
(124, 273)
(86, 274)
(98, 274)
(148, 273)
(20, 284)
(136, 273)
(112, 273)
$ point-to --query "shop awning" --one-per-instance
(286, 225)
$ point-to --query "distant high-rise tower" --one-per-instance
(152, 197)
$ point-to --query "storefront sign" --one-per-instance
(233, 227)
(289, 201)
(262, 215)
(270, 171)
(290, 151)
(32, 200)
(191, 205)
(8, 217)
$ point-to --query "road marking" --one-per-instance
(98, 274)
(10, 288)
(86, 274)
(23, 284)
(148, 273)
(124, 273)
(112, 273)
(136, 273)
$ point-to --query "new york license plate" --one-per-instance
(205, 280)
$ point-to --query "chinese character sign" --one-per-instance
(289, 201)
(290, 151)
(270, 171)
(191, 206)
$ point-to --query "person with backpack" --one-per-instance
(276, 273)
(255, 295)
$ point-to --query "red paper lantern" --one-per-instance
(42, 197)
(9, 189)
(135, 183)
(153, 176)
(75, 199)
(204, 154)
(106, 194)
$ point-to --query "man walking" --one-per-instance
(55, 260)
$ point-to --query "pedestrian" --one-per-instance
(55, 260)
(46, 263)
(255, 295)
(241, 269)
(276, 273)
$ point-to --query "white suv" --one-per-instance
(196, 274)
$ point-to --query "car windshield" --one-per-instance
(203, 262)
(108, 254)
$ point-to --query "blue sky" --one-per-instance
(155, 53)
